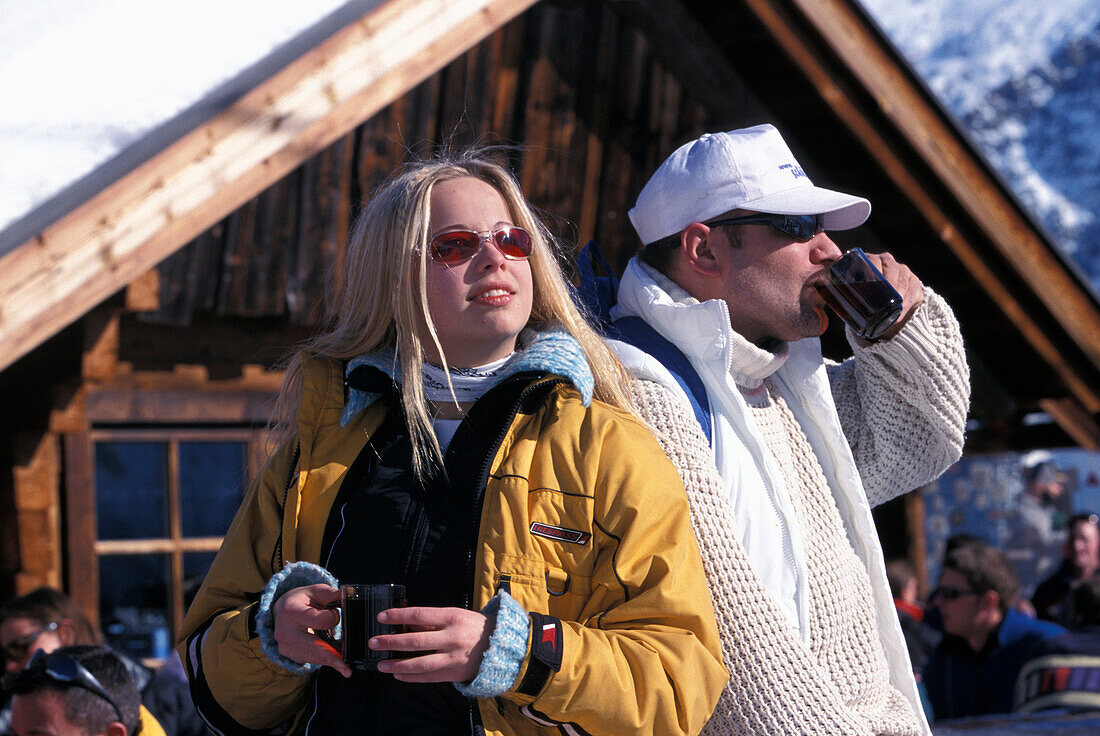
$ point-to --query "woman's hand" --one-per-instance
(455, 638)
(298, 614)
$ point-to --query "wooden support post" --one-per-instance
(918, 541)
(37, 508)
(80, 518)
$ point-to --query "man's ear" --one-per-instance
(989, 600)
(115, 729)
(66, 632)
(697, 246)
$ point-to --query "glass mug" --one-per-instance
(359, 606)
(860, 295)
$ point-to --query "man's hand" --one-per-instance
(300, 613)
(906, 283)
(455, 641)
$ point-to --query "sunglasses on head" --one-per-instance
(458, 246)
(17, 648)
(64, 670)
(799, 227)
(950, 594)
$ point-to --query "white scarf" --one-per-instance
(470, 384)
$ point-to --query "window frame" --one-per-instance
(175, 544)
(183, 405)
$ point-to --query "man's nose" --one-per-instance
(824, 249)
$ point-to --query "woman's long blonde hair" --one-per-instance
(373, 304)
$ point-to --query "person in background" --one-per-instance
(986, 640)
(1038, 528)
(46, 619)
(76, 691)
(1065, 672)
(734, 236)
(1080, 559)
(920, 638)
(553, 580)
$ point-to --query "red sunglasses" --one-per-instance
(458, 246)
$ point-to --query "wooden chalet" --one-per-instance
(148, 313)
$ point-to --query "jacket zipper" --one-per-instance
(476, 726)
(782, 504)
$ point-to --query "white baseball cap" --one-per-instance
(750, 169)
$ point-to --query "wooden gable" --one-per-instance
(220, 244)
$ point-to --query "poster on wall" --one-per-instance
(1018, 502)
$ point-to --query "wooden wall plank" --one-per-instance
(36, 478)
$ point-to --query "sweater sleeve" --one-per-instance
(775, 684)
(903, 402)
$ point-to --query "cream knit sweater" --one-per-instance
(778, 685)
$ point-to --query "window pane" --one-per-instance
(212, 481)
(133, 603)
(131, 480)
(195, 567)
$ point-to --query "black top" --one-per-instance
(387, 526)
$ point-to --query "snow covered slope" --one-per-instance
(1023, 79)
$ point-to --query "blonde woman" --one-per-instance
(461, 431)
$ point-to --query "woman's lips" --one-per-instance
(493, 296)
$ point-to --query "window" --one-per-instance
(163, 499)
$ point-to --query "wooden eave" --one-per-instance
(110, 240)
(994, 226)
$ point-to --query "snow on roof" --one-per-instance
(90, 88)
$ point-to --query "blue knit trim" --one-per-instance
(294, 575)
(553, 351)
(506, 652)
(557, 352)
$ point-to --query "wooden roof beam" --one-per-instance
(956, 166)
(129, 227)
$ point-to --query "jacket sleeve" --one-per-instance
(643, 657)
(235, 687)
(903, 402)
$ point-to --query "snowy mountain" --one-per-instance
(1023, 79)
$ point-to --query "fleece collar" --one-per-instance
(552, 351)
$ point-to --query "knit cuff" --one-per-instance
(931, 337)
(506, 652)
(294, 575)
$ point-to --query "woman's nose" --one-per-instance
(488, 254)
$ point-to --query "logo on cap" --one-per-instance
(795, 169)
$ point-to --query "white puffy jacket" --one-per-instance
(894, 414)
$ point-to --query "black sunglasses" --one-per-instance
(17, 648)
(950, 594)
(800, 227)
(63, 669)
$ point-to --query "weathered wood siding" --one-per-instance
(572, 92)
